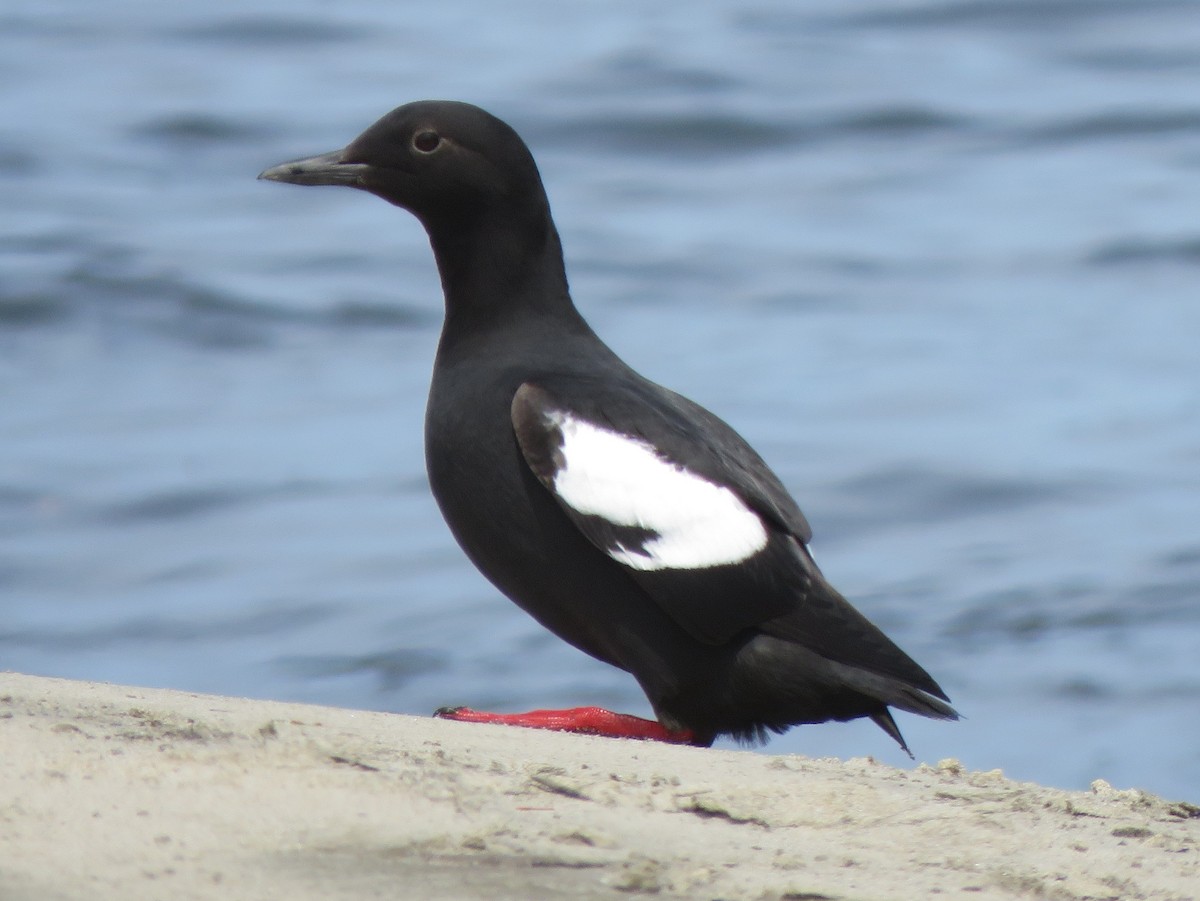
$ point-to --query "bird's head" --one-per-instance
(444, 161)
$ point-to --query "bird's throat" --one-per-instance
(497, 274)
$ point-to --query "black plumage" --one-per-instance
(685, 565)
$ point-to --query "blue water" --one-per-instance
(938, 261)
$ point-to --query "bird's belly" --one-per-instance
(516, 535)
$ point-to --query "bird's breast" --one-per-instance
(509, 524)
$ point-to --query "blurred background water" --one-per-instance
(938, 261)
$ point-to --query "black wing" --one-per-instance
(773, 586)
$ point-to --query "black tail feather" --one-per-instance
(883, 719)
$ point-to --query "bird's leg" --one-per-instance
(584, 720)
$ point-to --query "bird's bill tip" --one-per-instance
(325, 169)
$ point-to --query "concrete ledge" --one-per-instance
(108, 792)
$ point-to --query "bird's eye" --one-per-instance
(426, 141)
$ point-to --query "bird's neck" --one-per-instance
(501, 271)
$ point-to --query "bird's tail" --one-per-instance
(883, 719)
(894, 693)
(923, 704)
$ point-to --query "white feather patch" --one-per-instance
(622, 479)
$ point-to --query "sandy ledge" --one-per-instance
(109, 792)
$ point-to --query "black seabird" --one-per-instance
(623, 517)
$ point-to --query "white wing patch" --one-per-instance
(697, 524)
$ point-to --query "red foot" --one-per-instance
(585, 720)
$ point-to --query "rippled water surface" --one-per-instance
(938, 261)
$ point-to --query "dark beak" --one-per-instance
(326, 169)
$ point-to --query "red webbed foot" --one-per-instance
(583, 720)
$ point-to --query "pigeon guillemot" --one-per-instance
(624, 518)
